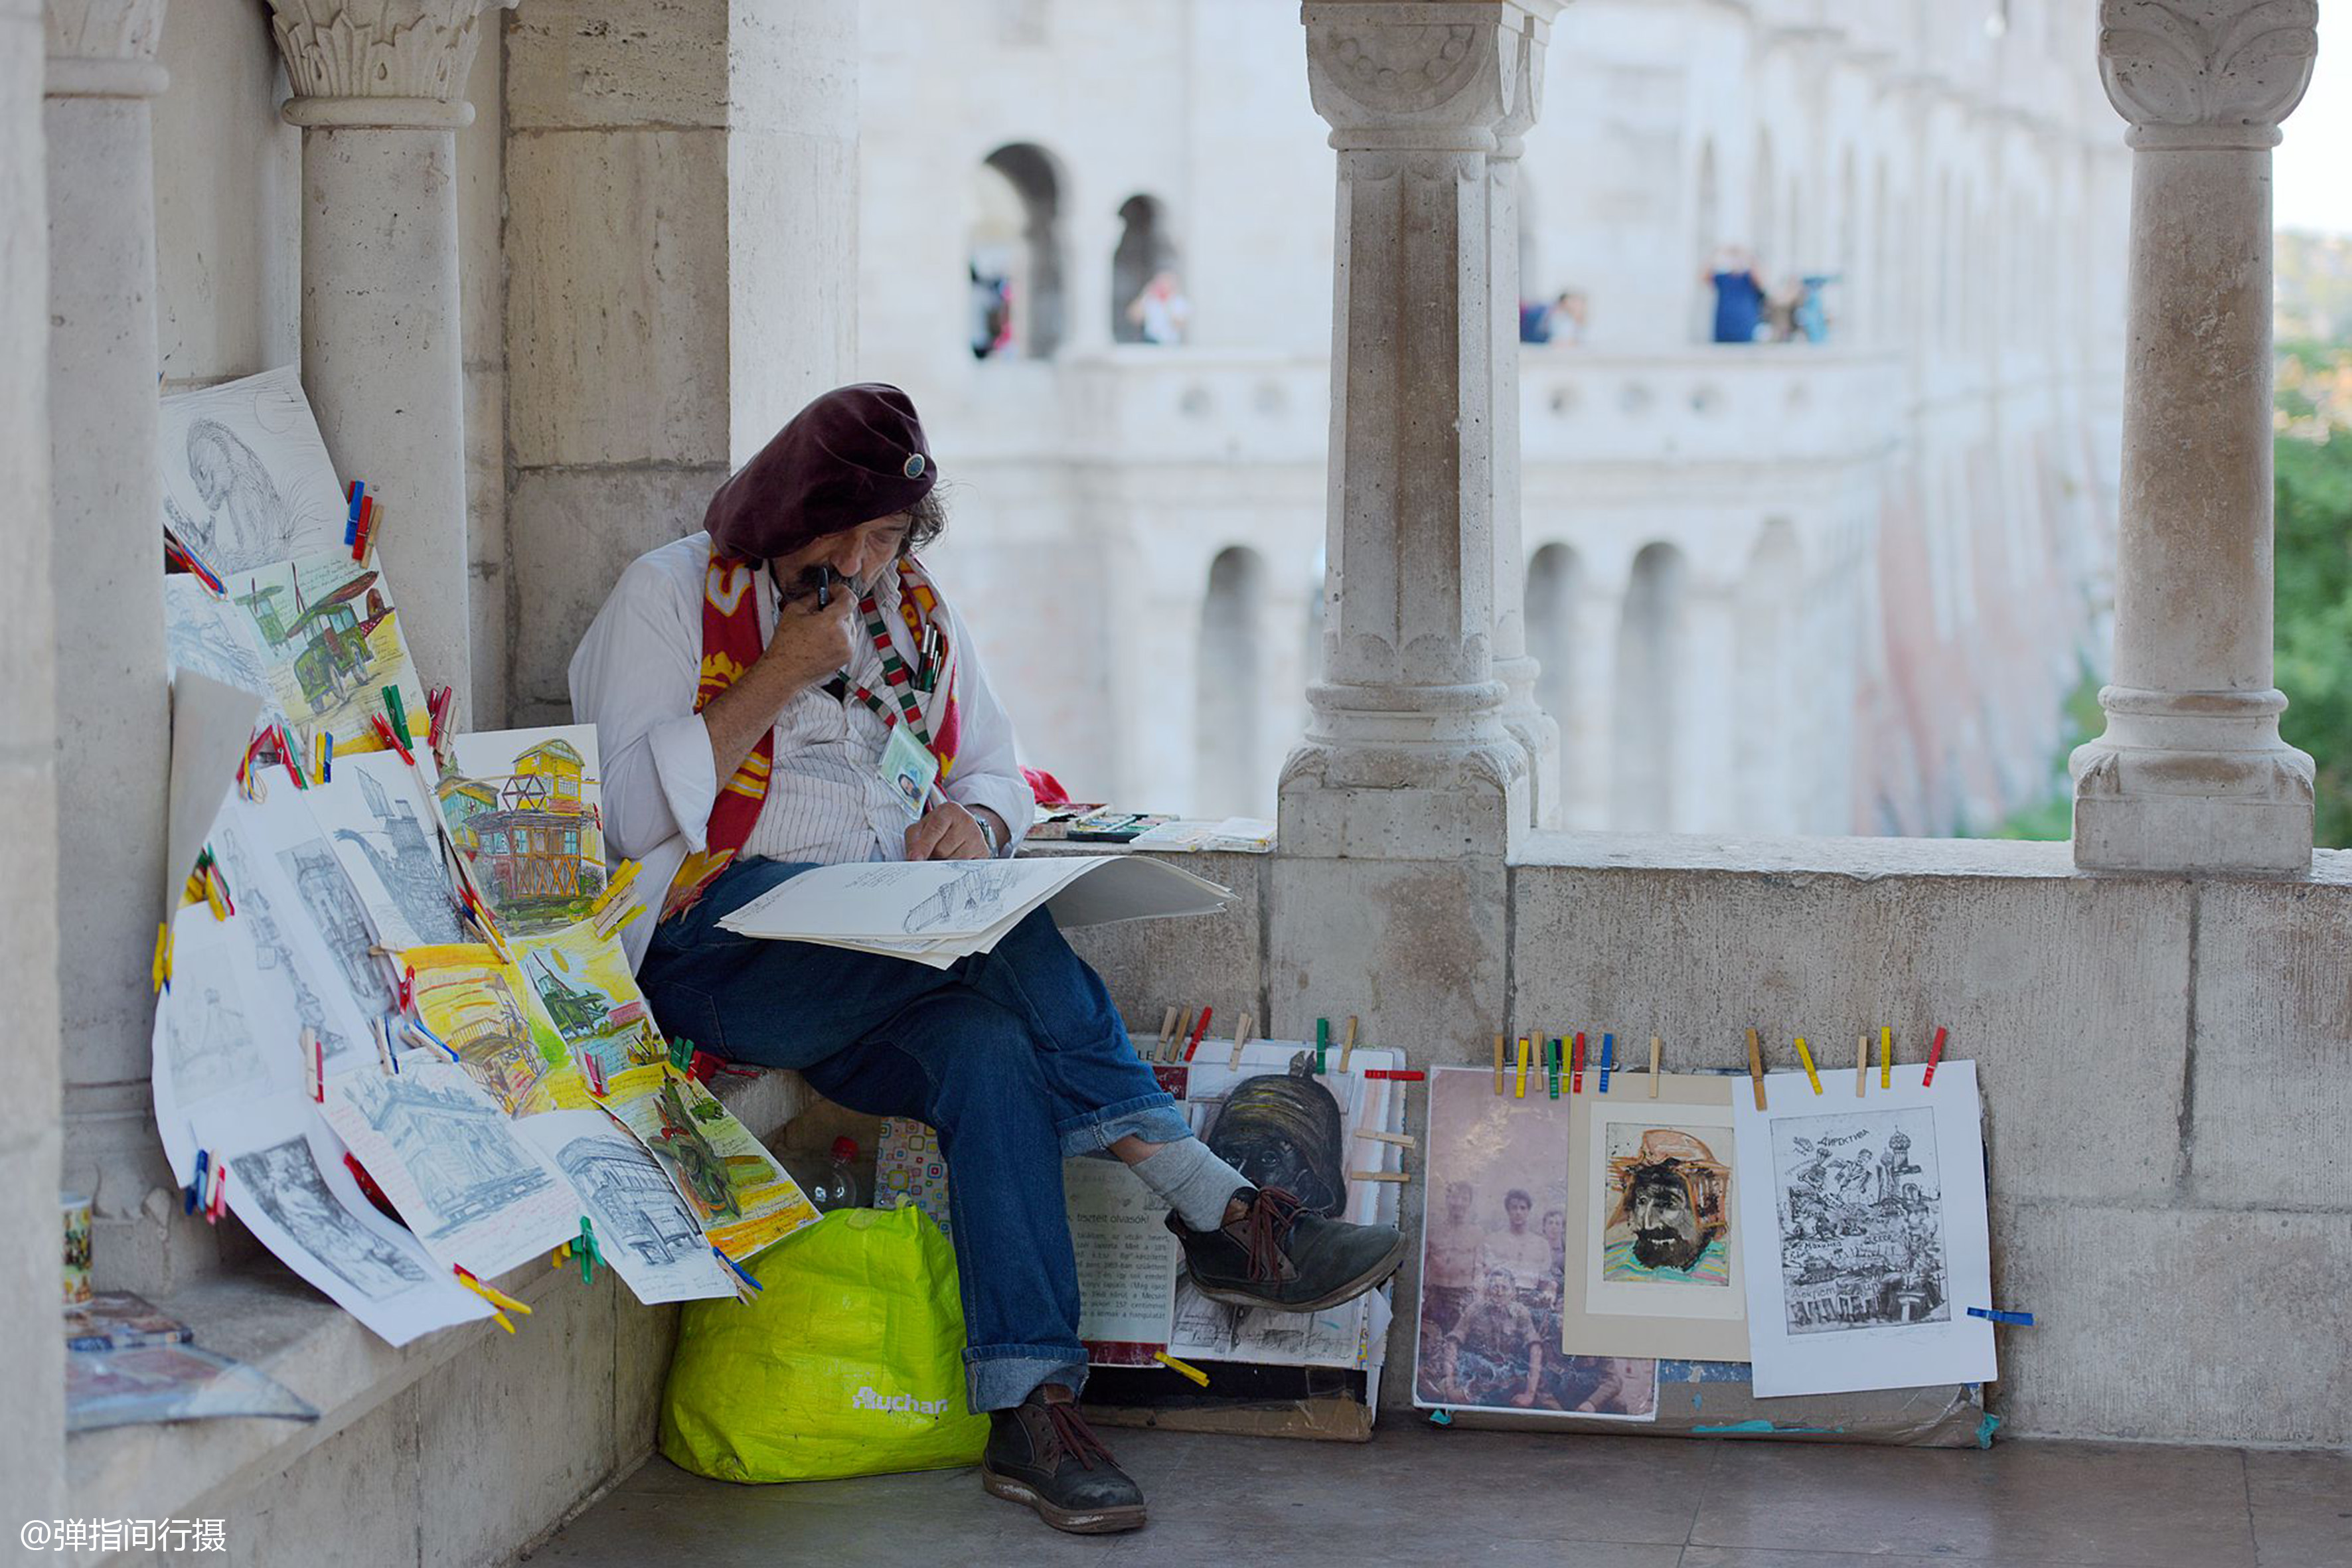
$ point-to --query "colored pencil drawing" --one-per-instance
(1860, 1204)
(736, 1191)
(449, 1160)
(584, 985)
(524, 807)
(643, 1228)
(283, 1180)
(386, 836)
(247, 480)
(1666, 1209)
(483, 1010)
(330, 640)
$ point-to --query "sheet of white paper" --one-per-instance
(210, 725)
(220, 1044)
(475, 1194)
(299, 979)
(246, 479)
(207, 635)
(384, 831)
(1866, 1233)
(336, 921)
(1128, 1258)
(643, 1228)
(287, 1183)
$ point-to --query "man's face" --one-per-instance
(1498, 1285)
(1517, 1209)
(856, 553)
(1457, 1204)
(1556, 1229)
(1665, 1232)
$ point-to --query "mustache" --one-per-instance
(1654, 1234)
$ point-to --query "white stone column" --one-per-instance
(1407, 756)
(2191, 774)
(1535, 731)
(1090, 239)
(113, 752)
(377, 93)
(32, 1442)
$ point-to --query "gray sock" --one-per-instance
(1191, 1180)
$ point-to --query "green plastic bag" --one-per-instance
(848, 1363)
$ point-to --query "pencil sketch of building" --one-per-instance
(974, 896)
(212, 1050)
(273, 948)
(457, 1148)
(407, 860)
(1862, 1220)
(633, 1200)
(202, 633)
(335, 909)
(284, 1180)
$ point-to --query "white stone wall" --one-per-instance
(1940, 465)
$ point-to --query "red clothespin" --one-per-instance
(384, 732)
(1935, 1054)
(1396, 1075)
(594, 1071)
(407, 986)
(1576, 1074)
(220, 1192)
(286, 755)
(1199, 1029)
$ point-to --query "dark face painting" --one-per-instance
(1666, 1233)
(1284, 1129)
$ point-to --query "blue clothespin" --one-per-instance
(1608, 1059)
(2016, 1319)
(738, 1268)
(195, 1189)
(352, 523)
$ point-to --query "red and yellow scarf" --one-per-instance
(731, 642)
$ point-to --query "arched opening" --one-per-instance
(1015, 254)
(1145, 260)
(1767, 738)
(1650, 636)
(1229, 690)
(1555, 578)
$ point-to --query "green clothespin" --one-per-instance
(1322, 1041)
(681, 1054)
(586, 1249)
(399, 718)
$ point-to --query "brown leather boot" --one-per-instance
(1044, 1454)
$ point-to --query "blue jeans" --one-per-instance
(1016, 1056)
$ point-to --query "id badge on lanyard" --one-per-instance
(909, 769)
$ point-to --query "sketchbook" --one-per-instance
(936, 911)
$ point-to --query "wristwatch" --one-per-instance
(987, 833)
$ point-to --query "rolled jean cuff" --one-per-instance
(998, 1377)
(1150, 1117)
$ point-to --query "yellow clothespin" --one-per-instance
(1173, 1365)
(1806, 1057)
(1522, 1091)
(160, 970)
(500, 1302)
(1885, 1057)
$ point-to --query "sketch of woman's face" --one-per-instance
(210, 463)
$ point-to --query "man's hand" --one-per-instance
(809, 645)
(948, 832)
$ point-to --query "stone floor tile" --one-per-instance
(2302, 1508)
(2129, 1505)
(1762, 1557)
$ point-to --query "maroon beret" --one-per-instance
(856, 453)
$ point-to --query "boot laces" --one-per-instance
(1075, 1437)
(1266, 1226)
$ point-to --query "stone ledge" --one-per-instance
(269, 1318)
(1864, 860)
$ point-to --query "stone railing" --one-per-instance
(1767, 404)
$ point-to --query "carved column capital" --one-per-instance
(104, 49)
(1435, 74)
(378, 62)
(2206, 73)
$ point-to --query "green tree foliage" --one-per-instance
(2314, 616)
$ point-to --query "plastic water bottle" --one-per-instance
(834, 1184)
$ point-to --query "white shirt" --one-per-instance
(634, 676)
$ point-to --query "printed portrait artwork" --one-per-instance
(1494, 1263)
(1666, 1211)
(1859, 1201)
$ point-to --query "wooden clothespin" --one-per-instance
(751, 1287)
(1657, 1047)
(1401, 1139)
(1380, 1176)
(1861, 1065)
(1756, 1067)
(1184, 1027)
(1348, 1045)
(1243, 1034)
(1498, 1066)
(314, 1065)
(1167, 1027)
